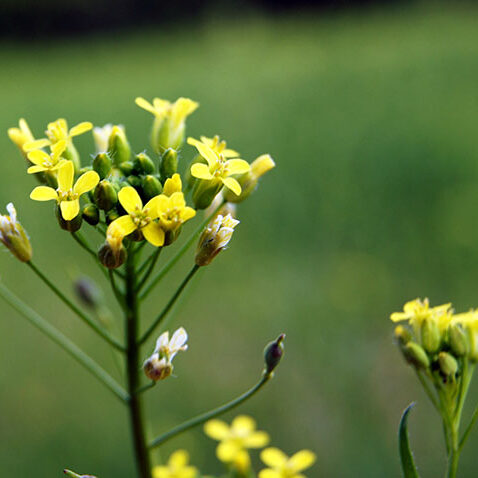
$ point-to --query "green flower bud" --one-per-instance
(402, 335)
(169, 164)
(91, 214)
(448, 364)
(126, 168)
(70, 226)
(112, 254)
(457, 339)
(430, 335)
(134, 181)
(273, 354)
(118, 146)
(71, 153)
(415, 355)
(143, 164)
(105, 195)
(151, 187)
(204, 192)
(472, 342)
(102, 165)
(14, 236)
(111, 215)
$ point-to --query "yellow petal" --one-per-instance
(217, 429)
(153, 234)
(146, 105)
(256, 440)
(177, 200)
(187, 213)
(38, 144)
(233, 185)
(152, 207)
(274, 457)
(121, 227)
(398, 316)
(201, 171)
(267, 473)
(230, 153)
(172, 185)
(227, 451)
(81, 128)
(301, 460)
(161, 472)
(57, 149)
(130, 200)
(262, 164)
(182, 108)
(65, 176)
(70, 209)
(243, 424)
(86, 182)
(237, 166)
(36, 169)
(38, 156)
(207, 153)
(43, 193)
(178, 459)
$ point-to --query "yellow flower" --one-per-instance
(236, 438)
(281, 466)
(169, 120)
(216, 145)
(138, 217)
(177, 467)
(173, 185)
(58, 131)
(172, 211)
(67, 195)
(218, 167)
(47, 162)
(21, 135)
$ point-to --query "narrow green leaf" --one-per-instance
(406, 457)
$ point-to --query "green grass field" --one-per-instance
(372, 119)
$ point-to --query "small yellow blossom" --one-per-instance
(159, 366)
(218, 167)
(177, 467)
(172, 211)
(67, 195)
(47, 162)
(218, 146)
(58, 131)
(173, 185)
(21, 135)
(235, 439)
(14, 236)
(281, 466)
(138, 218)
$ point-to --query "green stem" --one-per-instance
(64, 342)
(116, 291)
(454, 455)
(200, 419)
(168, 306)
(92, 323)
(428, 390)
(468, 429)
(153, 259)
(133, 367)
(146, 387)
(180, 253)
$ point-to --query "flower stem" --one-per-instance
(169, 305)
(133, 367)
(89, 321)
(64, 342)
(200, 419)
(154, 258)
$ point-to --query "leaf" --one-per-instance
(406, 457)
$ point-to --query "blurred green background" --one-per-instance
(372, 119)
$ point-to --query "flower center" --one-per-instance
(69, 195)
(140, 218)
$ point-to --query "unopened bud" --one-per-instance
(134, 181)
(70, 226)
(126, 168)
(143, 164)
(91, 214)
(102, 165)
(169, 164)
(402, 335)
(457, 339)
(430, 335)
(112, 253)
(214, 239)
(448, 364)
(111, 216)
(118, 146)
(415, 355)
(87, 292)
(105, 195)
(13, 236)
(151, 187)
(273, 353)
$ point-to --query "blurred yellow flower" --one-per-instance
(177, 467)
(67, 195)
(138, 217)
(218, 167)
(173, 185)
(21, 135)
(172, 211)
(218, 146)
(241, 435)
(281, 466)
(47, 162)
